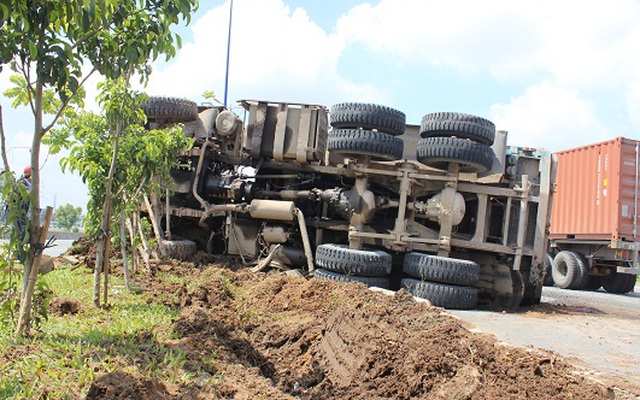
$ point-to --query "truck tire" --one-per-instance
(569, 271)
(367, 116)
(632, 284)
(583, 272)
(438, 152)
(179, 249)
(378, 281)
(593, 283)
(443, 295)
(340, 258)
(358, 142)
(619, 283)
(548, 275)
(466, 126)
(170, 109)
(441, 269)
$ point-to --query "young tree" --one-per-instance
(67, 216)
(59, 44)
(115, 145)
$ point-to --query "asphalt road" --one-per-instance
(600, 331)
(58, 247)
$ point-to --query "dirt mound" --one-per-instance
(273, 336)
(63, 306)
(81, 247)
(118, 385)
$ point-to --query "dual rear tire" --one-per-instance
(570, 270)
(445, 282)
(340, 263)
(366, 130)
(450, 137)
(370, 130)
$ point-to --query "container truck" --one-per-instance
(443, 209)
(594, 219)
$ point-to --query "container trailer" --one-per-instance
(594, 218)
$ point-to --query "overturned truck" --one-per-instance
(445, 209)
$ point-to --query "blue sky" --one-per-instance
(554, 74)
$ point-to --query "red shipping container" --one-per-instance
(596, 194)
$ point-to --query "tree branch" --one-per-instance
(66, 103)
(5, 160)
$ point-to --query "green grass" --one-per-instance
(68, 352)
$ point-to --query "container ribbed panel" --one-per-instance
(595, 191)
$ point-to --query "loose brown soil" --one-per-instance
(62, 306)
(272, 336)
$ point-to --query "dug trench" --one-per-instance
(267, 335)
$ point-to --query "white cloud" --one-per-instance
(276, 54)
(633, 102)
(466, 35)
(549, 116)
(572, 42)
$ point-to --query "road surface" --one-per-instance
(597, 328)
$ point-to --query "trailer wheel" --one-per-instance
(569, 270)
(179, 249)
(438, 152)
(443, 295)
(367, 116)
(441, 269)
(358, 142)
(170, 109)
(340, 258)
(548, 266)
(593, 283)
(619, 283)
(381, 282)
(466, 126)
(583, 270)
(632, 284)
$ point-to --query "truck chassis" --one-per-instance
(366, 200)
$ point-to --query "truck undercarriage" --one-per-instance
(445, 209)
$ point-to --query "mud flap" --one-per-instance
(507, 288)
(532, 290)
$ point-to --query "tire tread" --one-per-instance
(340, 258)
(368, 116)
(170, 109)
(377, 145)
(441, 269)
(467, 126)
(443, 295)
(382, 282)
(438, 152)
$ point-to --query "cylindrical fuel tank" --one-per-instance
(272, 209)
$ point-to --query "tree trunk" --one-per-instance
(24, 318)
(123, 247)
(105, 226)
(3, 143)
(167, 215)
(144, 249)
(153, 216)
(134, 255)
(107, 270)
(34, 208)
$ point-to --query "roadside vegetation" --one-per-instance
(67, 217)
(78, 342)
(53, 48)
